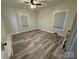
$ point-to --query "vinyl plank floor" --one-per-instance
(35, 44)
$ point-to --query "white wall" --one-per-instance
(4, 33)
(11, 18)
(45, 17)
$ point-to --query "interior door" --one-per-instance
(4, 52)
(6, 42)
(72, 49)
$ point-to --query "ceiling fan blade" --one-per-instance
(38, 4)
(27, 5)
(43, 1)
(31, 2)
(26, 2)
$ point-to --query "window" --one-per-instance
(60, 18)
(24, 21)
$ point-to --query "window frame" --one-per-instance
(58, 11)
(20, 14)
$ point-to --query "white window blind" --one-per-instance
(24, 21)
(59, 20)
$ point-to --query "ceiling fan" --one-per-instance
(33, 3)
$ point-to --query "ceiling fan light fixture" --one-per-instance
(33, 6)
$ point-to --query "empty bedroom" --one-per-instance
(38, 29)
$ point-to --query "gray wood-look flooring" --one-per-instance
(36, 44)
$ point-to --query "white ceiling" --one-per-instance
(20, 3)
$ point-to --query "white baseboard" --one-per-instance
(34, 29)
(23, 31)
(46, 30)
(51, 32)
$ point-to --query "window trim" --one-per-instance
(66, 18)
(20, 14)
